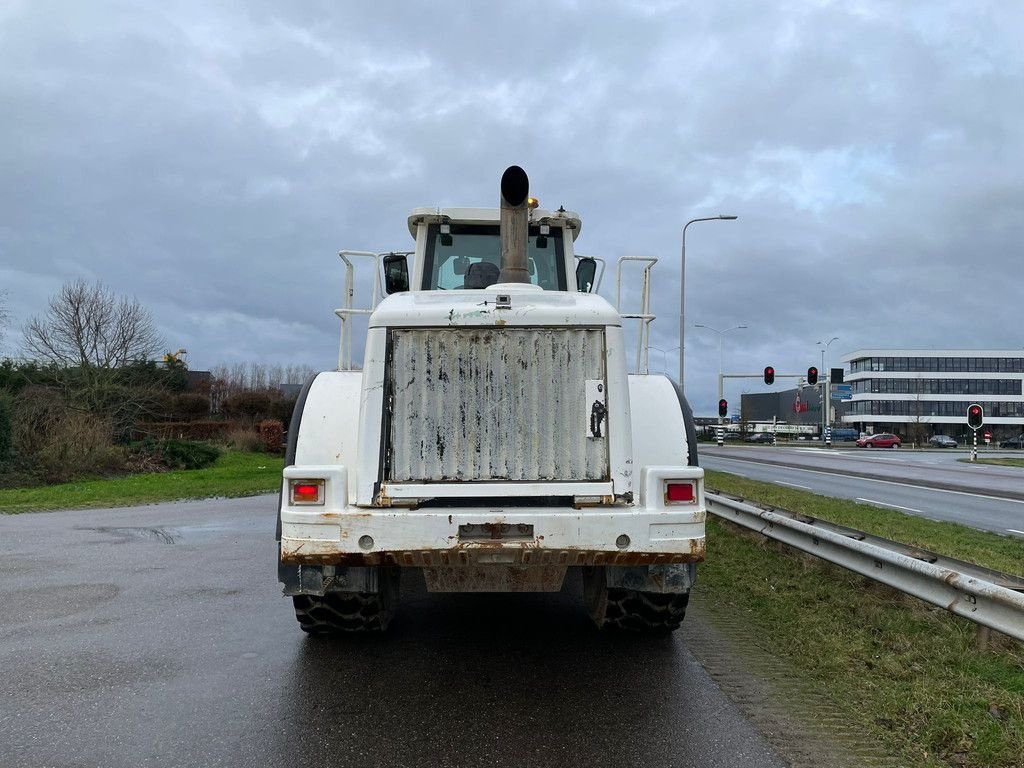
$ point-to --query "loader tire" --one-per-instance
(647, 612)
(629, 610)
(344, 612)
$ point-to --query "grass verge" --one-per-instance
(233, 474)
(1006, 461)
(905, 673)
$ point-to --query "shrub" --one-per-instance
(190, 406)
(55, 443)
(151, 455)
(272, 435)
(182, 430)
(188, 454)
(250, 407)
(245, 440)
(6, 429)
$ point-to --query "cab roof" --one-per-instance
(559, 218)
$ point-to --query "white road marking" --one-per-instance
(795, 485)
(894, 506)
(886, 482)
(1014, 530)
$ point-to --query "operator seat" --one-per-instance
(481, 275)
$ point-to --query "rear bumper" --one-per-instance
(650, 532)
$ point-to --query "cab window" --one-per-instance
(469, 256)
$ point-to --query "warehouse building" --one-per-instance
(799, 408)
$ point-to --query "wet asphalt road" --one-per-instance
(157, 636)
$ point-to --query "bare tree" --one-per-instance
(5, 317)
(89, 326)
(918, 426)
(256, 376)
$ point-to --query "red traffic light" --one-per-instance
(812, 375)
(723, 407)
(769, 375)
(975, 416)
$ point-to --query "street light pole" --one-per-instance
(721, 389)
(682, 290)
(825, 381)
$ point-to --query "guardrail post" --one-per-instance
(981, 638)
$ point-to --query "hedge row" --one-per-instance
(183, 430)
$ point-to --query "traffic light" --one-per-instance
(769, 375)
(723, 407)
(812, 376)
(975, 416)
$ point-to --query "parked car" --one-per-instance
(844, 435)
(881, 440)
(1016, 442)
(760, 437)
(942, 441)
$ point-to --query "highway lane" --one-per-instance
(1005, 516)
(158, 636)
(937, 469)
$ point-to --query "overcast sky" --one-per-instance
(212, 161)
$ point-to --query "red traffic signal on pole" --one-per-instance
(812, 376)
(769, 375)
(723, 407)
(975, 416)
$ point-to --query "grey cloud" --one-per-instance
(213, 159)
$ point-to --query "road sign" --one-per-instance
(841, 391)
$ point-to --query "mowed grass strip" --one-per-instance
(1001, 553)
(904, 672)
(233, 474)
(1001, 461)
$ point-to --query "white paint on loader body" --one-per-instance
(493, 427)
(411, 524)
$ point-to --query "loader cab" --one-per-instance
(460, 249)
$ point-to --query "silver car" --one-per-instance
(942, 441)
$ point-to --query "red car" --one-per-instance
(881, 440)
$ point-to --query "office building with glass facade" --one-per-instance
(927, 391)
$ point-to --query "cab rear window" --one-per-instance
(469, 257)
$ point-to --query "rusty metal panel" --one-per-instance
(495, 578)
(498, 404)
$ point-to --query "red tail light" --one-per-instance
(307, 492)
(680, 492)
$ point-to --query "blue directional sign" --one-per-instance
(842, 391)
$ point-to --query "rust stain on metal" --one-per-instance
(469, 553)
(494, 406)
(489, 578)
(601, 501)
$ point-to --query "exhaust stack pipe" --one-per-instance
(515, 223)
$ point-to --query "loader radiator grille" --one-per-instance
(489, 404)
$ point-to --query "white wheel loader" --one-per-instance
(493, 438)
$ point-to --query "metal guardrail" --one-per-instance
(986, 597)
